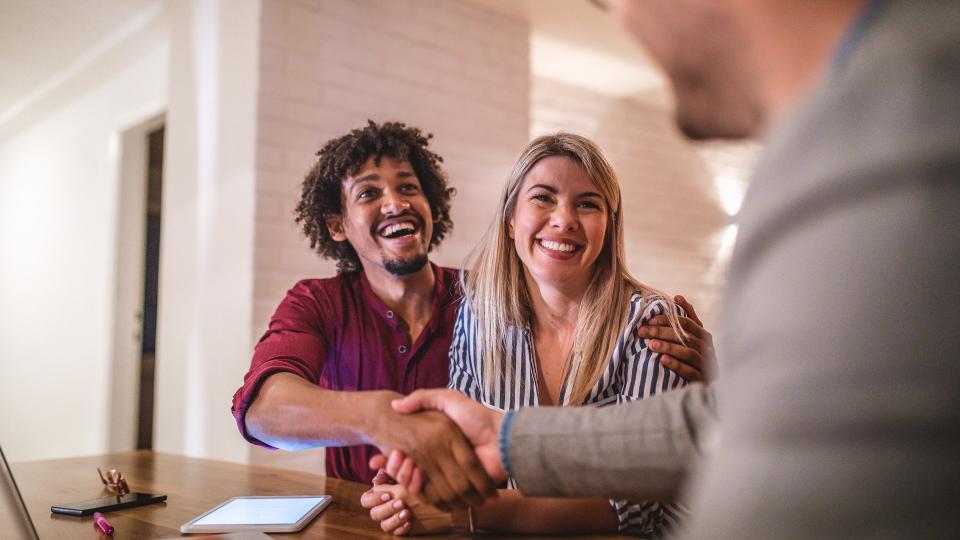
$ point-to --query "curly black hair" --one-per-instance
(342, 157)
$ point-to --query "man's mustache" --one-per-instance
(406, 213)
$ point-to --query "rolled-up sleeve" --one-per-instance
(294, 343)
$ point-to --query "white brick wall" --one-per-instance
(674, 219)
(451, 68)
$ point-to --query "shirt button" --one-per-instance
(402, 349)
(389, 314)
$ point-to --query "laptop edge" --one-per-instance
(15, 516)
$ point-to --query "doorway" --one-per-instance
(151, 283)
(139, 218)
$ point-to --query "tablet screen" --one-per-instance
(260, 511)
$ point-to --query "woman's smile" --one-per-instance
(559, 248)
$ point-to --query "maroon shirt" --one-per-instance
(337, 334)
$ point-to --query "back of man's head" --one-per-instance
(734, 65)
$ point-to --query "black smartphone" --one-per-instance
(106, 504)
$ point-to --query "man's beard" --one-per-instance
(405, 267)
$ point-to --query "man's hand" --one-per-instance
(451, 475)
(479, 424)
(695, 361)
(292, 413)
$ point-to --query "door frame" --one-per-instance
(133, 151)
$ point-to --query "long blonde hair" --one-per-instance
(497, 294)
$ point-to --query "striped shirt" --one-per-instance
(633, 372)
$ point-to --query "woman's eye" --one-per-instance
(541, 197)
(589, 205)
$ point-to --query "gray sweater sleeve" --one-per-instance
(641, 450)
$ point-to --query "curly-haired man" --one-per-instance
(321, 208)
(339, 350)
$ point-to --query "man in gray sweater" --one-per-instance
(839, 399)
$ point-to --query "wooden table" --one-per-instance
(193, 486)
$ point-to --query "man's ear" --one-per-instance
(335, 227)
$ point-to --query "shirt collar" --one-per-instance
(440, 290)
(856, 32)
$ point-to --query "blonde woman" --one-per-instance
(550, 318)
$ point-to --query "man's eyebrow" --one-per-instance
(372, 177)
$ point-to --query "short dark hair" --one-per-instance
(342, 157)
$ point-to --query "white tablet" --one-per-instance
(265, 514)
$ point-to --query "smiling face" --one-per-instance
(386, 217)
(559, 223)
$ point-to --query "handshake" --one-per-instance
(425, 453)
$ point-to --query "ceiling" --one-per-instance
(41, 38)
(571, 40)
(579, 22)
(577, 42)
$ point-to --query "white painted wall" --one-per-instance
(59, 187)
(206, 250)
